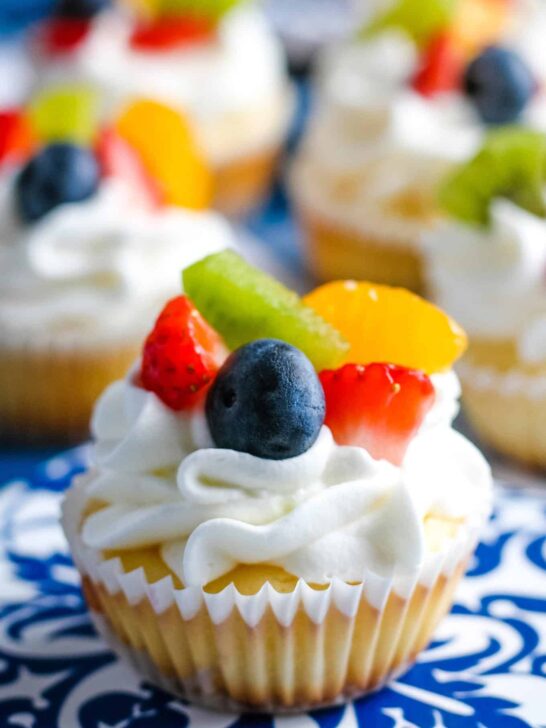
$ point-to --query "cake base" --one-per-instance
(334, 252)
(47, 394)
(505, 401)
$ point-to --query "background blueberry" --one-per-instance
(57, 174)
(80, 8)
(500, 84)
(267, 401)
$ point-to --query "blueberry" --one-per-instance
(267, 401)
(80, 8)
(58, 173)
(500, 84)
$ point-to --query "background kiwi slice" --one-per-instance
(511, 164)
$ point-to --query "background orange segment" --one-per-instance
(164, 139)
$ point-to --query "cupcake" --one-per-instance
(92, 236)
(487, 266)
(282, 526)
(217, 62)
(397, 108)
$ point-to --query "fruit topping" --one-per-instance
(441, 67)
(420, 23)
(511, 164)
(16, 137)
(500, 85)
(389, 324)
(171, 32)
(118, 159)
(66, 113)
(63, 35)
(58, 174)
(245, 304)
(166, 145)
(479, 23)
(212, 9)
(378, 407)
(181, 355)
(80, 8)
(266, 401)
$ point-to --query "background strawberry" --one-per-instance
(441, 68)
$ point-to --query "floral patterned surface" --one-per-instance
(486, 667)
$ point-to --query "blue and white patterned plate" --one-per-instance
(485, 669)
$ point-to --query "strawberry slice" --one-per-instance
(441, 67)
(63, 35)
(16, 137)
(120, 160)
(181, 355)
(378, 407)
(170, 32)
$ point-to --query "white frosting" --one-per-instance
(98, 269)
(234, 88)
(493, 280)
(330, 512)
(374, 135)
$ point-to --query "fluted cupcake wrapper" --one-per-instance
(48, 386)
(269, 651)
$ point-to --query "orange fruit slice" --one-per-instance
(478, 23)
(389, 325)
(165, 142)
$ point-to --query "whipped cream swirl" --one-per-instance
(330, 512)
(493, 280)
(97, 269)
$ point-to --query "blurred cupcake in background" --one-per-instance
(218, 62)
(487, 267)
(95, 223)
(398, 106)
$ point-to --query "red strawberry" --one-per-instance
(63, 35)
(16, 136)
(441, 68)
(119, 159)
(181, 355)
(378, 407)
(171, 32)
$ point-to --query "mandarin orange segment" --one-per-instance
(166, 145)
(478, 23)
(390, 325)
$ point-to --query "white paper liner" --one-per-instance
(398, 628)
(510, 383)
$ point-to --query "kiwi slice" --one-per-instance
(213, 9)
(67, 112)
(244, 304)
(419, 20)
(511, 164)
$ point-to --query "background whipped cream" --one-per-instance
(493, 280)
(373, 137)
(330, 512)
(96, 270)
(234, 88)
